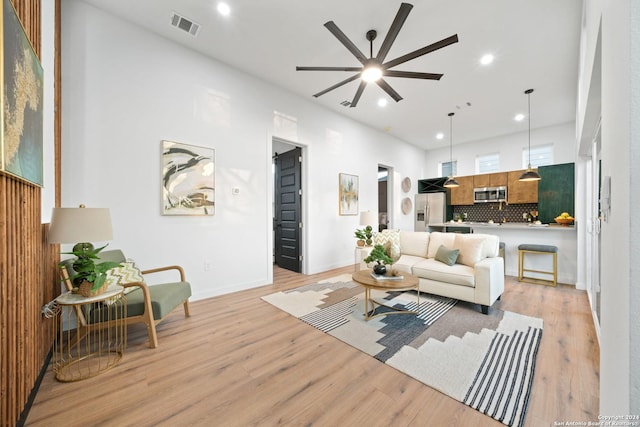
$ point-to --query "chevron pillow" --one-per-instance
(126, 273)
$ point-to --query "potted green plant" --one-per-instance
(379, 255)
(361, 236)
(90, 276)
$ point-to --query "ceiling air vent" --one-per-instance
(185, 24)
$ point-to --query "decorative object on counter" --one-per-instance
(529, 174)
(451, 181)
(564, 219)
(348, 194)
(369, 220)
(380, 257)
(406, 184)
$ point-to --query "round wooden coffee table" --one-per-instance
(407, 283)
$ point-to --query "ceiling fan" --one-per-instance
(374, 69)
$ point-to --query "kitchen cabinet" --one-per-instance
(462, 195)
(521, 191)
(496, 179)
(556, 191)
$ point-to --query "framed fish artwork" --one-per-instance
(188, 179)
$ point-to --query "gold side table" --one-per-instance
(84, 348)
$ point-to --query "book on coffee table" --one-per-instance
(385, 277)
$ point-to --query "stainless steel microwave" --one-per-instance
(490, 194)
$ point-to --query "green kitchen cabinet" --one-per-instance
(556, 191)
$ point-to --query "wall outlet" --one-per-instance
(235, 191)
(207, 265)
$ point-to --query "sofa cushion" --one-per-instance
(406, 262)
(456, 274)
(491, 245)
(436, 239)
(470, 247)
(390, 240)
(414, 243)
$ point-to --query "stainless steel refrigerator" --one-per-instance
(430, 208)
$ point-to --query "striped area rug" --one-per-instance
(484, 361)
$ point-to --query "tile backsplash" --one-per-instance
(482, 212)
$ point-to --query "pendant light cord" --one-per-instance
(528, 92)
(451, 142)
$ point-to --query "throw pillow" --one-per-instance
(470, 249)
(126, 273)
(447, 256)
(390, 240)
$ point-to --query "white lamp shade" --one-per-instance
(76, 225)
(369, 218)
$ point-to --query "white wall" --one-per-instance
(125, 90)
(563, 138)
(47, 55)
(620, 332)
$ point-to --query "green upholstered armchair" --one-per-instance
(147, 304)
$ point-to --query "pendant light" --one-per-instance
(451, 181)
(529, 174)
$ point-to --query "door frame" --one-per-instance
(303, 204)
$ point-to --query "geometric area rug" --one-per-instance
(484, 361)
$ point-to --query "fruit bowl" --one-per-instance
(564, 221)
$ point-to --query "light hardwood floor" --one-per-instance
(238, 361)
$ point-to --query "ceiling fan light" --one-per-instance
(451, 182)
(371, 74)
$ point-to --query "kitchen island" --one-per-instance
(515, 233)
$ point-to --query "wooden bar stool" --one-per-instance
(537, 249)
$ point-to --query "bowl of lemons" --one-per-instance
(564, 219)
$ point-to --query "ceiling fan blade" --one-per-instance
(392, 93)
(356, 98)
(331, 26)
(412, 75)
(357, 69)
(417, 53)
(397, 24)
(337, 85)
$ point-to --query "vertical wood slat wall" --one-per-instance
(27, 271)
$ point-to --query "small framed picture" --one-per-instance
(348, 194)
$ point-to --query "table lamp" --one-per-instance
(80, 226)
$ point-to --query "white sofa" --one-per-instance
(476, 277)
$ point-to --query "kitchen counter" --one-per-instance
(483, 227)
(516, 233)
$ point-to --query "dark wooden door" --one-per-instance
(287, 218)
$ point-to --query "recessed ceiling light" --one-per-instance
(519, 117)
(224, 9)
(382, 102)
(486, 59)
(440, 135)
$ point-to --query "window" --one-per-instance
(448, 168)
(488, 163)
(541, 155)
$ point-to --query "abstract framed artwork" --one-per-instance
(21, 146)
(188, 179)
(348, 194)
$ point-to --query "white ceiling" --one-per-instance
(535, 43)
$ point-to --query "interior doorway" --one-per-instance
(287, 205)
(384, 197)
